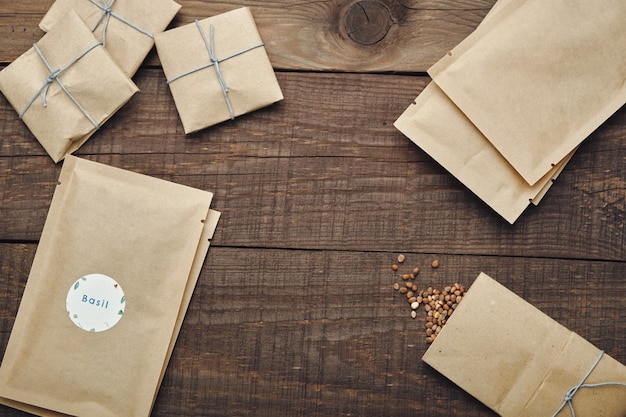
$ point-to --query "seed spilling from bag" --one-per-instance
(438, 304)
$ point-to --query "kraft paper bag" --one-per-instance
(126, 27)
(65, 87)
(439, 128)
(539, 77)
(217, 69)
(519, 362)
(77, 347)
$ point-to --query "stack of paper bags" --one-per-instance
(114, 272)
(521, 363)
(78, 75)
(508, 106)
(125, 27)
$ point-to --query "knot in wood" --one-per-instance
(367, 22)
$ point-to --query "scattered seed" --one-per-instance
(439, 304)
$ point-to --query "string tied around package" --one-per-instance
(106, 15)
(569, 395)
(215, 62)
(53, 76)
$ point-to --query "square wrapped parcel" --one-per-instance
(217, 68)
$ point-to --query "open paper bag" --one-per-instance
(439, 128)
(217, 68)
(538, 77)
(65, 87)
(126, 27)
(118, 260)
(521, 363)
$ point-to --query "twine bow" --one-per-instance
(215, 61)
(569, 395)
(53, 76)
(106, 15)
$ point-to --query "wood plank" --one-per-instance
(291, 332)
(302, 175)
(406, 36)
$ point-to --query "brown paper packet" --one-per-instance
(249, 77)
(438, 127)
(95, 81)
(151, 235)
(207, 235)
(130, 29)
(539, 77)
(519, 362)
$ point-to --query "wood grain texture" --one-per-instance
(294, 314)
(284, 332)
(307, 35)
(310, 176)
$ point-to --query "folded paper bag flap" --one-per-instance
(512, 357)
(539, 77)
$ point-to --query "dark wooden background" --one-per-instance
(294, 314)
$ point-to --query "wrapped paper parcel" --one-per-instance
(125, 27)
(118, 260)
(217, 69)
(523, 363)
(65, 87)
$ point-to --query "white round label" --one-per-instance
(95, 302)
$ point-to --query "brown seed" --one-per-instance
(405, 277)
(408, 284)
(412, 276)
(429, 339)
(427, 307)
(419, 299)
(401, 258)
(435, 263)
(412, 299)
(403, 290)
(416, 270)
(414, 287)
(409, 294)
(429, 332)
(396, 286)
(394, 267)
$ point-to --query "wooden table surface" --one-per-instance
(294, 313)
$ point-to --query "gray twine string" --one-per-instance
(54, 76)
(107, 13)
(569, 395)
(215, 62)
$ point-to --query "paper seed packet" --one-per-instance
(114, 272)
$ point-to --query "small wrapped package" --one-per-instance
(217, 69)
(125, 27)
(118, 260)
(539, 77)
(65, 87)
(521, 363)
(439, 128)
